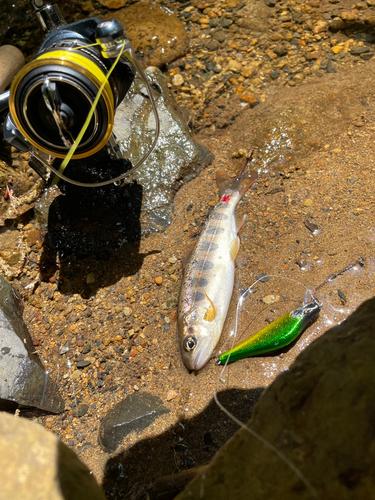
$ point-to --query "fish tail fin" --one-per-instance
(241, 184)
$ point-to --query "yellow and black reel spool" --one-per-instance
(76, 78)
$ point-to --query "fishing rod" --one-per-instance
(62, 104)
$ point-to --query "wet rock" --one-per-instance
(155, 33)
(305, 116)
(113, 4)
(134, 413)
(36, 464)
(324, 406)
(23, 380)
(177, 157)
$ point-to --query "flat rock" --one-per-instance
(35, 464)
(155, 33)
(23, 380)
(319, 415)
(177, 157)
(134, 413)
(299, 120)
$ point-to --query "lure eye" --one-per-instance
(189, 343)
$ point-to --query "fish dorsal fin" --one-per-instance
(240, 221)
(234, 247)
(211, 310)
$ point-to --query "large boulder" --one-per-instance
(23, 380)
(35, 464)
(319, 415)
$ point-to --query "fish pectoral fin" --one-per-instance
(240, 221)
(234, 247)
(211, 310)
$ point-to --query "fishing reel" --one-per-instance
(62, 104)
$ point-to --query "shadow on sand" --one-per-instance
(189, 443)
(93, 231)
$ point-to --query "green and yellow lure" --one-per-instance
(274, 336)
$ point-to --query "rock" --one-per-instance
(82, 409)
(320, 27)
(254, 16)
(250, 99)
(136, 412)
(83, 363)
(359, 50)
(11, 61)
(281, 50)
(298, 106)
(337, 49)
(349, 16)
(155, 33)
(250, 70)
(177, 80)
(271, 299)
(219, 35)
(298, 77)
(113, 4)
(234, 66)
(35, 464)
(176, 157)
(23, 380)
(324, 406)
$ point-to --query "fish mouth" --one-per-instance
(202, 355)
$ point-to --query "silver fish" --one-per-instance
(208, 280)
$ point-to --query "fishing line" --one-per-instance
(75, 144)
(242, 425)
(309, 294)
(248, 290)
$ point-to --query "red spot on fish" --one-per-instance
(225, 198)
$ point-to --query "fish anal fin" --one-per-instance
(234, 247)
(240, 221)
(211, 310)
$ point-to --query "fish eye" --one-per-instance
(189, 343)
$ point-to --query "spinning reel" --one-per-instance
(62, 104)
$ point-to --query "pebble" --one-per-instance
(177, 80)
(127, 311)
(307, 202)
(83, 363)
(271, 299)
(171, 395)
(76, 375)
(234, 66)
(82, 409)
(158, 280)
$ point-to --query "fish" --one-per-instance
(208, 280)
(274, 336)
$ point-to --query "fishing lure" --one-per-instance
(276, 335)
(283, 330)
(209, 275)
